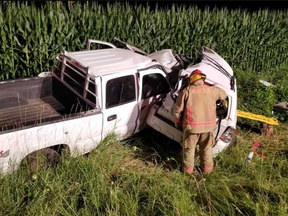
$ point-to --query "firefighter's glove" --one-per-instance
(224, 103)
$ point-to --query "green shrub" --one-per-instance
(253, 96)
(257, 98)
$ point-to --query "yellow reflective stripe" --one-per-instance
(261, 118)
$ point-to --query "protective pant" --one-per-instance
(206, 142)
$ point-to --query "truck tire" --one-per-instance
(41, 159)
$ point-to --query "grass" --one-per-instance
(140, 176)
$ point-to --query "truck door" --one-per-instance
(120, 109)
(153, 87)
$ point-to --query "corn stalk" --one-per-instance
(30, 36)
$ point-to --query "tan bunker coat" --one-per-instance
(196, 107)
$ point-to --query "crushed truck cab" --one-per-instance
(219, 74)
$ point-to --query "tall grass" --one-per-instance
(31, 36)
(141, 177)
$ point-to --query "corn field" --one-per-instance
(32, 36)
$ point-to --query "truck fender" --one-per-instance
(46, 157)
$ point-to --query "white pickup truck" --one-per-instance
(87, 95)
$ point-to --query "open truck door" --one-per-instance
(153, 86)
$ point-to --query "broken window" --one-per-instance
(154, 84)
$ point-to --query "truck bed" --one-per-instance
(37, 110)
(33, 101)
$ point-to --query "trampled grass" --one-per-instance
(140, 176)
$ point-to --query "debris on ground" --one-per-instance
(255, 147)
(267, 130)
(283, 106)
(266, 83)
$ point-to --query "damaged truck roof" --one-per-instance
(105, 61)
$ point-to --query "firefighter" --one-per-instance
(195, 113)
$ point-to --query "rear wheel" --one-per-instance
(41, 159)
